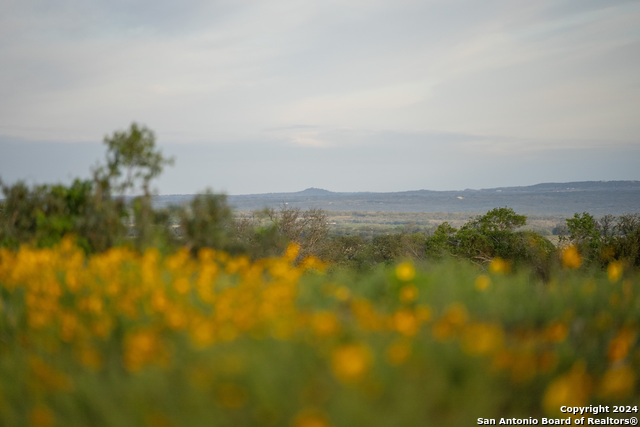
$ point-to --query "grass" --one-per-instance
(127, 339)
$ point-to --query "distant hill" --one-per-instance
(314, 192)
(595, 197)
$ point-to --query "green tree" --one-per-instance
(348, 251)
(627, 239)
(391, 247)
(584, 233)
(442, 241)
(132, 161)
(495, 234)
(43, 214)
(489, 235)
(207, 222)
(498, 220)
(258, 236)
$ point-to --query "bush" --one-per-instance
(207, 222)
(601, 241)
(43, 215)
(352, 252)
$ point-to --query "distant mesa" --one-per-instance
(595, 197)
(312, 191)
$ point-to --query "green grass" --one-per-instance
(405, 345)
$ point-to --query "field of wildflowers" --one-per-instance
(128, 339)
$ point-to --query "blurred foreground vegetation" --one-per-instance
(109, 316)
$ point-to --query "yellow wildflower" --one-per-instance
(68, 326)
(159, 300)
(292, 252)
(498, 265)
(408, 293)
(237, 265)
(88, 356)
(405, 271)
(482, 282)
(453, 320)
(91, 304)
(342, 293)
(556, 332)
(324, 323)
(149, 267)
(202, 332)
(502, 360)
(620, 345)
(176, 319)
(350, 362)
(547, 361)
(398, 352)
(423, 313)
(524, 366)
(618, 382)
(570, 389)
(42, 416)
(571, 257)
(181, 285)
(614, 271)
(102, 327)
(313, 263)
(405, 322)
(310, 417)
(482, 338)
(143, 348)
(366, 315)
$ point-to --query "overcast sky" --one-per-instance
(352, 95)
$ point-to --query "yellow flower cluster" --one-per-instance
(212, 298)
(143, 312)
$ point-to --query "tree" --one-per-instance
(498, 219)
(489, 235)
(495, 234)
(601, 241)
(441, 242)
(584, 233)
(207, 222)
(42, 215)
(132, 161)
(348, 251)
(308, 228)
(131, 157)
(627, 240)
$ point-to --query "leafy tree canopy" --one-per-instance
(131, 157)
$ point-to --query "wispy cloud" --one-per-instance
(506, 77)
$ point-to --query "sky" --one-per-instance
(352, 95)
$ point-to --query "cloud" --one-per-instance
(352, 160)
(494, 78)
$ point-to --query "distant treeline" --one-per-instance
(99, 215)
